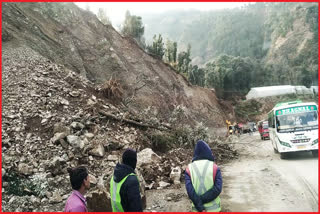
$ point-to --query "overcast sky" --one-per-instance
(116, 10)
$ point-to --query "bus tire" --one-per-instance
(283, 155)
(314, 153)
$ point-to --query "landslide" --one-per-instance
(55, 56)
(68, 35)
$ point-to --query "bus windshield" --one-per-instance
(297, 122)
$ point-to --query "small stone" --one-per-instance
(175, 175)
(89, 135)
(77, 125)
(24, 169)
(48, 194)
(112, 164)
(43, 121)
(92, 179)
(75, 93)
(56, 197)
(3, 172)
(90, 158)
(112, 158)
(75, 141)
(126, 129)
(169, 198)
(57, 137)
(163, 184)
(64, 102)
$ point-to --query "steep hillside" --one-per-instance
(53, 119)
(65, 34)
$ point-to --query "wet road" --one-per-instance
(260, 181)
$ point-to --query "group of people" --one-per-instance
(203, 182)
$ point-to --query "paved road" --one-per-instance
(260, 181)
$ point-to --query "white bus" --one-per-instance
(294, 127)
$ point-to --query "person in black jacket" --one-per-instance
(124, 177)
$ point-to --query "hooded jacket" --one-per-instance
(203, 152)
(129, 192)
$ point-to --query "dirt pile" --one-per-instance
(68, 35)
(52, 120)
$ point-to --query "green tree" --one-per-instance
(171, 52)
(102, 16)
(184, 60)
(196, 76)
(157, 47)
(134, 28)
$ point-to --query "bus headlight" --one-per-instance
(314, 142)
(284, 144)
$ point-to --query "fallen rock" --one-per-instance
(75, 93)
(163, 184)
(34, 200)
(55, 165)
(175, 175)
(24, 169)
(56, 197)
(75, 141)
(97, 151)
(92, 179)
(60, 127)
(57, 137)
(112, 158)
(89, 135)
(3, 171)
(147, 157)
(64, 102)
(99, 201)
(77, 125)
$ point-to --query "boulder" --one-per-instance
(56, 197)
(60, 127)
(175, 175)
(92, 179)
(75, 141)
(147, 157)
(98, 151)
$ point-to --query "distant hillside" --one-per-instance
(283, 36)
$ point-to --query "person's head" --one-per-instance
(129, 157)
(79, 178)
(202, 151)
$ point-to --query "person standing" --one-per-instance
(124, 185)
(203, 180)
(80, 183)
